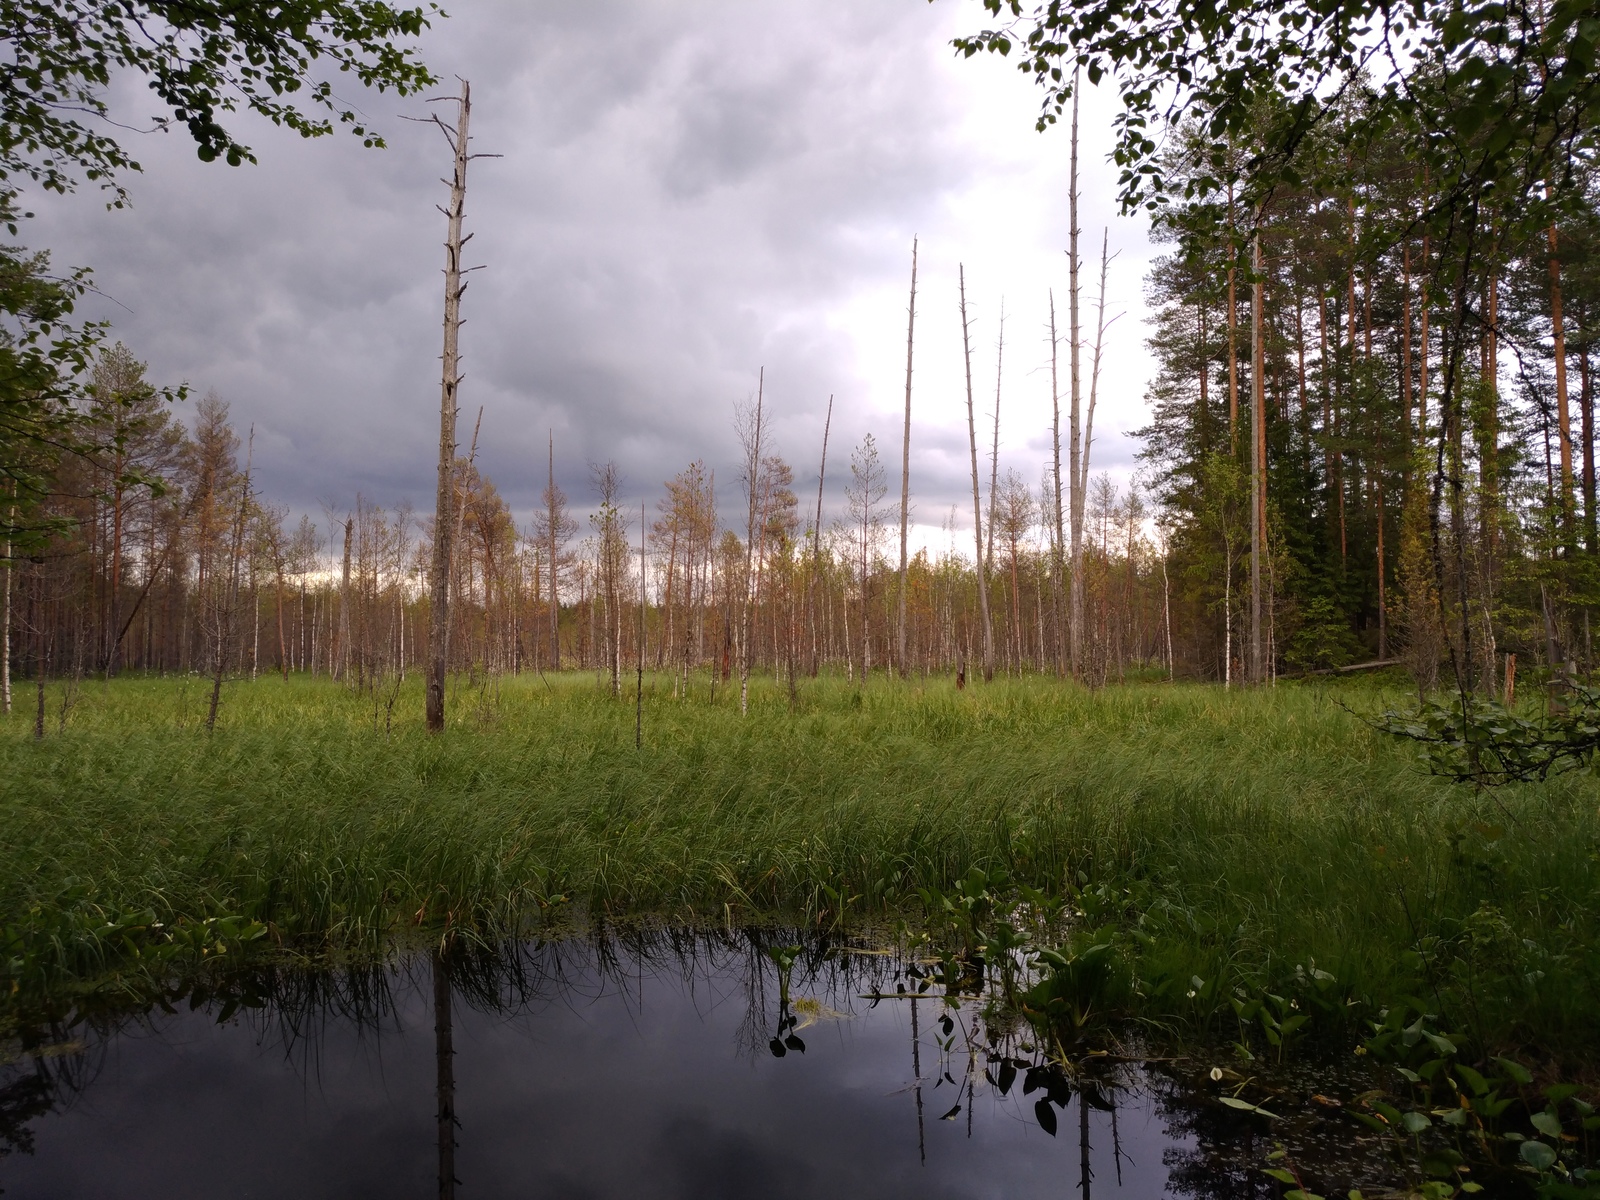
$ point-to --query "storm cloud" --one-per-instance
(685, 195)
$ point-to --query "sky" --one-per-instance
(686, 196)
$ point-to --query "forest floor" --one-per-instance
(1235, 842)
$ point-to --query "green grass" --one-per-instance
(1250, 832)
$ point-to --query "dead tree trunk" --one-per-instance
(225, 616)
(1076, 496)
(444, 501)
(753, 482)
(905, 472)
(816, 542)
(555, 532)
(1258, 455)
(1058, 549)
(994, 452)
(977, 503)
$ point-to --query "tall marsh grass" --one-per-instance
(1244, 836)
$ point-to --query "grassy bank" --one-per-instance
(1242, 835)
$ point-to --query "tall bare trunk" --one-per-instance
(341, 636)
(444, 499)
(994, 452)
(225, 615)
(1058, 546)
(5, 620)
(977, 503)
(753, 483)
(555, 577)
(1258, 456)
(1233, 332)
(445, 1076)
(816, 540)
(1075, 495)
(905, 473)
(1563, 411)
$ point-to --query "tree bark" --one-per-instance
(1075, 493)
(444, 500)
(1563, 411)
(1058, 547)
(1258, 455)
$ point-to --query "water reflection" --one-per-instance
(664, 1064)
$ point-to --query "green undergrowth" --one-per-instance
(1237, 843)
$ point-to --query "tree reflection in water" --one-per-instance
(962, 1038)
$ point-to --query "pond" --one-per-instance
(668, 1064)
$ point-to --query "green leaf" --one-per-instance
(1538, 1155)
(1547, 1123)
(1246, 1106)
(1515, 1071)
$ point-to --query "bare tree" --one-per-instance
(866, 491)
(1078, 467)
(230, 597)
(816, 539)
(444, 522)
(905, 472)
(977, 503)
(1258, 456)
(749, 429)
(994, 451)
(553, 529)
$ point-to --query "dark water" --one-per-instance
(634, 1069)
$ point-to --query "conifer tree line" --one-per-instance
(1380, 435)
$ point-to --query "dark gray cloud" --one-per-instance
(686, 194)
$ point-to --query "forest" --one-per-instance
(1425, 498)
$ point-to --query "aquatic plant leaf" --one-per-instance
(1515, 1071)
(1537, 1155)
(777, 1048)
(1045, 1115)
(951, 1115)
(1008, 1076)
(1475, 1081)
(1415, 1122)
(1246, 1106)
(1547, 1123)
(794, 1043)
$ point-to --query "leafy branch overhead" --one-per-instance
(1495, 94)
(203, 59)
(1487, 743)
